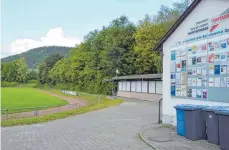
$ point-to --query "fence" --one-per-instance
(69, 92)
(34, 111)
(13, 113)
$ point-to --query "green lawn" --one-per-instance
(27, 97)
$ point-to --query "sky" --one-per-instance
(27, 24)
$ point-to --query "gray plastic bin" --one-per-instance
(212, 125)
(195, 127)
(223, 128)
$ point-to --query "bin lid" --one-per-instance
(213, 108)
(223, 111)
(189, 106)
(194, 107)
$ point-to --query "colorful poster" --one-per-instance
(198, 82)
(211, 82)
(183, 78)
(193, 93)
(217, 81)
(204, 48)
(189, 92)
(223, 81)
(183, 91)
(178, 66)
(204, 70)
(190, 71)
(217, 69)
(198, 71)
(223, 69)
(178, 91)
(189, 50)
(211, 58)
(217, 58)
(173, 78)
(211, 70)
(210, 46)
(194, 71)
(193, 60)
(194, 48)
(223, 56)
(194, 80)
(173, 55)
(199, 60)
(217, 45)
(173, 91)
(178, 76)
(204, 94)
(223, 45)
(183, 65)
(198, 93)
(204, 59)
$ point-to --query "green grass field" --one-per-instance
(27, 97)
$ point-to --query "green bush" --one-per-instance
(9, 84)
(32, 81)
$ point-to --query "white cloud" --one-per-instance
(54, 37)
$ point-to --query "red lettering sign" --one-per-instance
(220, 18)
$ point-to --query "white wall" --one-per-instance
(206, 9)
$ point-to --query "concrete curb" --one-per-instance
(146, 140)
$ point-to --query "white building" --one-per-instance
(142, 87)
(196, 58)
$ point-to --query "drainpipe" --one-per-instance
(159, 112)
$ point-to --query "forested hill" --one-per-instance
(36, 56)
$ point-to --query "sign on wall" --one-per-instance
(200, 65)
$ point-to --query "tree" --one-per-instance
(21, 70)
(44, 68)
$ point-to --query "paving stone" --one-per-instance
(114, 128)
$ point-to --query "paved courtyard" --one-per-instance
(114, 128)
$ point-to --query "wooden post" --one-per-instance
(6, 113)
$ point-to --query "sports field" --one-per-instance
(27, 97)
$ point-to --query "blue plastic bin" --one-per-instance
(180, 120)
(223, 115)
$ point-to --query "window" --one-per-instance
(133, 86)
(145, 86)
(139, 86)
(128, 86)
(124, 85)
(152, 87)
(120, 86)
(159, 87)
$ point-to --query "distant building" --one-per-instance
(143, 87)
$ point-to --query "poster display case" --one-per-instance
(200, 69)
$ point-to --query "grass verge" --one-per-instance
(32, 120)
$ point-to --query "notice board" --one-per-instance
(200, 69)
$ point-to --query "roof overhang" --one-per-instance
(136, 77)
